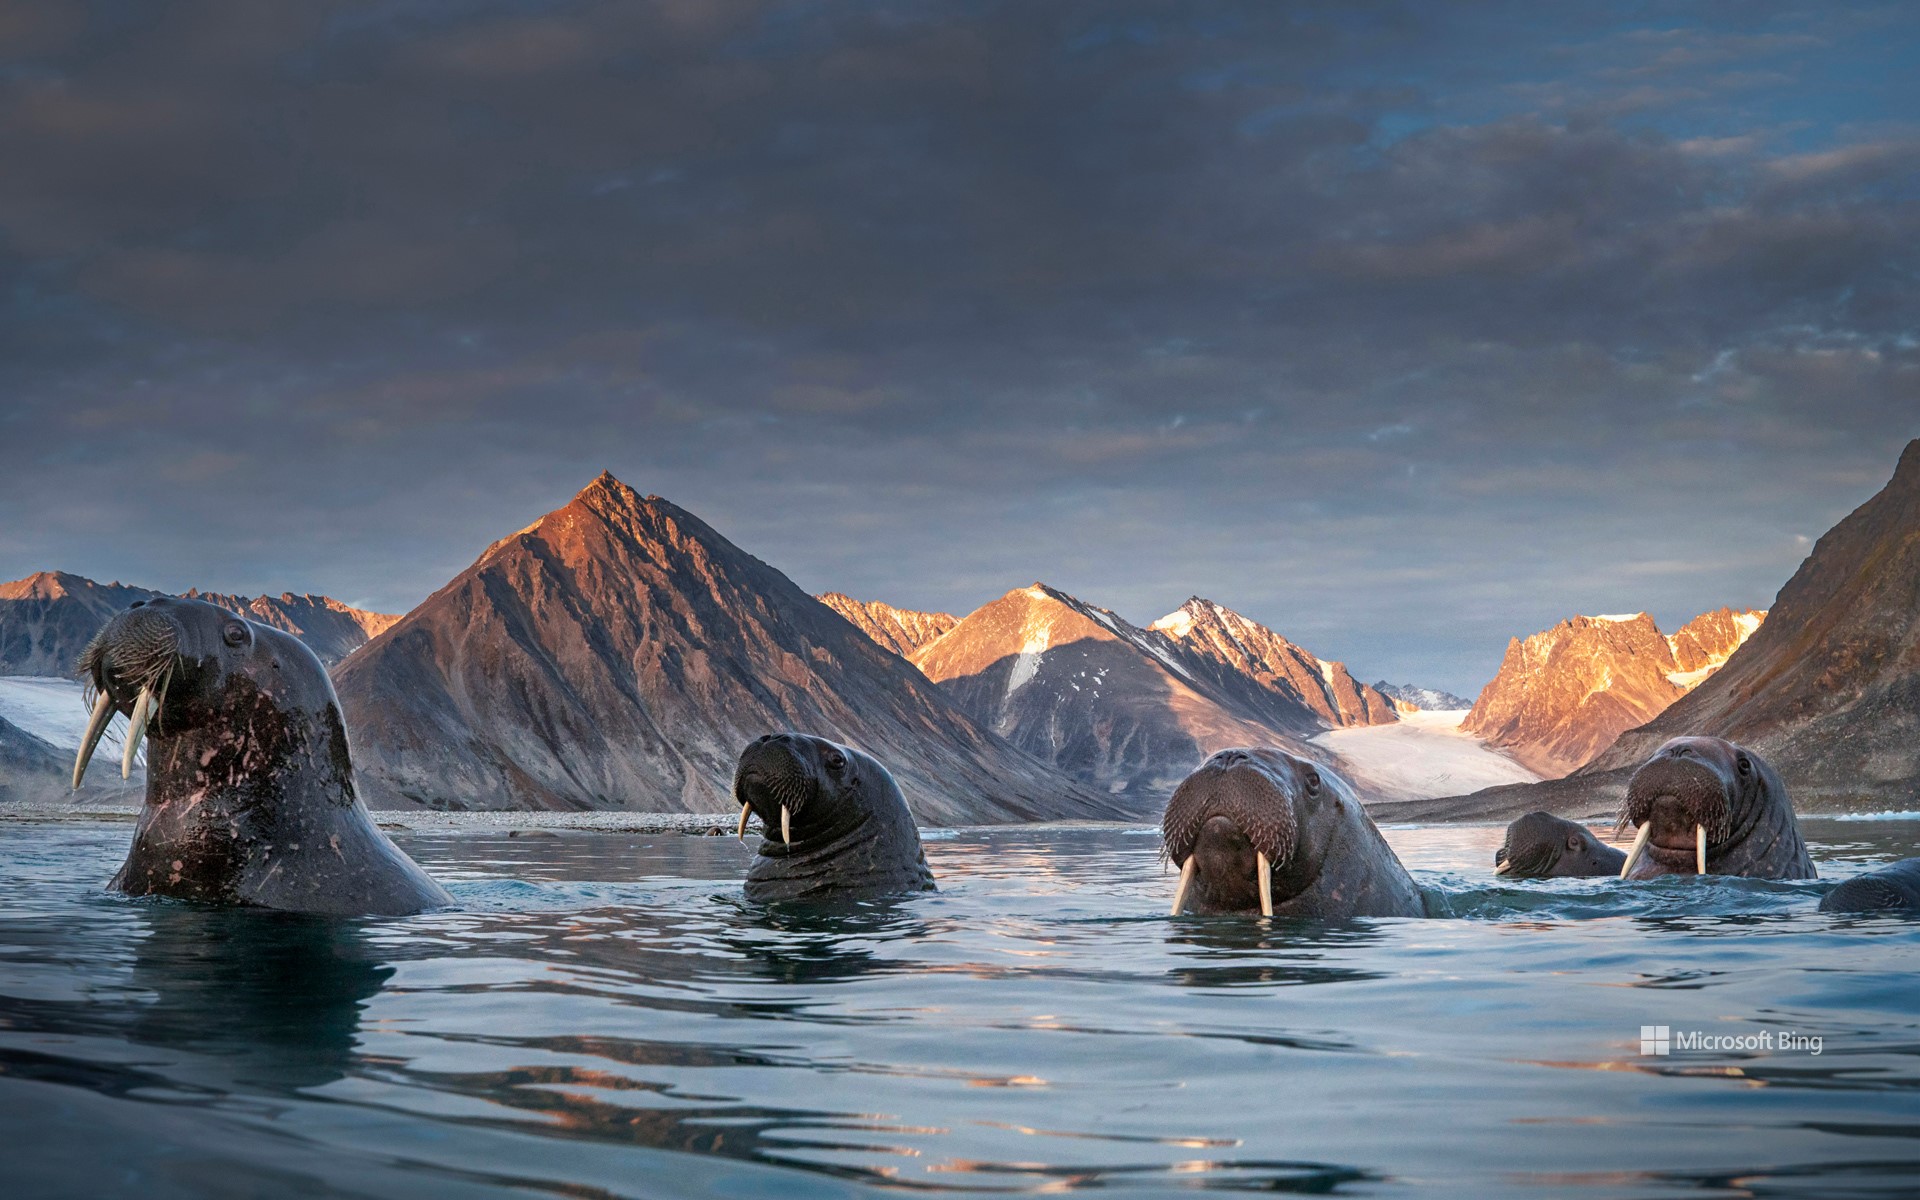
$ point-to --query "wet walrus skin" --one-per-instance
(851, 834)
(1323, 857)
(250, 794)
(1543, 846)
(1704, 784)
(1893, 888)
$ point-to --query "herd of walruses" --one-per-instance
(250, 800)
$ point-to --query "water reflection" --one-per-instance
(605, 1017)
(1240, 952)
(274, 998)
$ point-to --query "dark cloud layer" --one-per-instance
(1404, 329)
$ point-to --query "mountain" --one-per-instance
(1127, 709)
(47, 618)
(1828, 689)
(332, 630)
(1409, 697)
(1704, 644)
(901, 630)
(1247, 648)
(619, 652)
(30, 769)
(1564, 694)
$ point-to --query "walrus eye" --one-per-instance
(835, 760)
(1573, 841)
(1313, 783)
(235, 634)
(1746, 767)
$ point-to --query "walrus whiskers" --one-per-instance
(1639, 844)
(1186, 880)
(96, 727)
(1700, 847)
(1265, 872)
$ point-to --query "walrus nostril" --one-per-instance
(136, 604)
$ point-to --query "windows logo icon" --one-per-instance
(1655, 1039)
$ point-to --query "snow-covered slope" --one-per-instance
(44, 720)
(53, 710)
(1423, 754)
(1411, 697)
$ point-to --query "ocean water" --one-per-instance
(603, 1016)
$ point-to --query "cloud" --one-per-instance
(1400, 328)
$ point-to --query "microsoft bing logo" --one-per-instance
(1654, 1039)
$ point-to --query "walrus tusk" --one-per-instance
(1639, 844)
(786, 826)
(1700, 847)
(96, 726)
(746, 810)
(137, 729)
(1186, 879)
(1266, 885)
(1504, 867)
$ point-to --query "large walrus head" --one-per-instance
(1245, 828)
(177, 667)
(1690, 800)
(1540, 845)
(793, 781)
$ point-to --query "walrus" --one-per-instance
(250, 793)
(1708, 807)
(1261, 831)
(1893, 888)
(845, 832)
(1543, 846)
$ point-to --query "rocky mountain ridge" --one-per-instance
(1564, 694)
(47, 618)
(1247, 648)
(1409, 697)
(1126, 709)
(901, 630)
(619, 652)
(1828, 687)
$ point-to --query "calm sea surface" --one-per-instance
(604, 1017)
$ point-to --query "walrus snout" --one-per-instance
(1237, 789)
(1232, 823)
(1682, 801)
(775, 778)
(127, 666)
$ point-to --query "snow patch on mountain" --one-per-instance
(1025, 667)
(1178, 623)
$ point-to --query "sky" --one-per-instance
(1404, 329)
